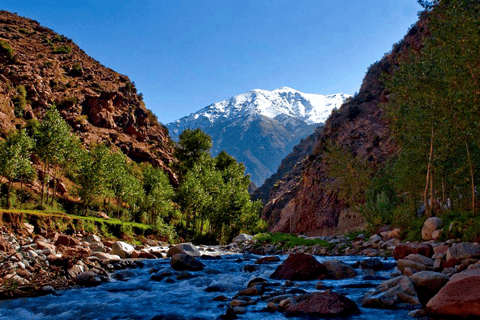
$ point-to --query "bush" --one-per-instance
(20, 101)
(62, 49)
(6, 49)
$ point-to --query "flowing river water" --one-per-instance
(137, 296)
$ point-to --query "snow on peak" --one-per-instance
(284, 101)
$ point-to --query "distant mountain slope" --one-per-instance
(306, 199)
(99, 104)
(260, 127)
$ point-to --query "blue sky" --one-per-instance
(184, 55)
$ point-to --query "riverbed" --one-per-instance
(132, 294)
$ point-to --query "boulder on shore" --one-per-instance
(430, 226)
(427, 284)
(322, 304)
(459, 298)
(300, 266)
(242, 238)
(461, 251)
(396, 293)
(184, 248)
(404, 249)
(122, 249)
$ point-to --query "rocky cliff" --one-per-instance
(44, 68)
(305, 200)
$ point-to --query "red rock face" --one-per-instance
(99, 104)
(404, 249)
(305, 202)
(320, 304)
(300, 266)
(459, 298)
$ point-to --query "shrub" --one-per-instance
(20, 101)
(6, 49)
(62, 49)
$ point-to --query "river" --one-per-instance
(138, 297)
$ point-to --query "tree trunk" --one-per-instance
(429, 170)
(472, 177)
(432, 193)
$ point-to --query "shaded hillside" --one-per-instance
(40, 68)
(293, 160)
(311, 201)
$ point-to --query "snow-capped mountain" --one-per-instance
(260, 127)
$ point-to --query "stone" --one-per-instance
(184, 248)
(372, 263)
(106, 256)
(392, 294)
(459, 298)
(322, 304)
(429, 226)
(436, 235)
(251, 291)
(97, 247)
(418, 258)
(415, 266)
(122, 249)
(461, 251)
(256, 281)
(67, 241)
(427, 284)
(46, 290)
(404, 249)
(242, 238)
(266, 260)
(338, 270)
(181, 262)
(272, 307)
(5, 245)
(375, 238)
(30, 229)
(88, 279)
(93, 238)
(300, 266)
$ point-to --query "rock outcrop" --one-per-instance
(99, 104)
(308, 201)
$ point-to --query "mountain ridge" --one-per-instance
(260, 127)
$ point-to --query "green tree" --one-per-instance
(191, 146)
(158, 194)
(15, 163)
(53, 140)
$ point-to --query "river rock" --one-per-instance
(242, 238)
(184, 248)
(404, 249)
(461, 251)
(181, 262)
(459, 298)
(322, 304)
(122, 249)
(392, 294)
(106, 256)
(68, 241)
(266, 260)
(403, 264)
(372, 263)
(6, 246)
(418, 258)
(300, 266)
(430, 226)
(88, 279)
(93, 238)
(338, 270)
(427, 284)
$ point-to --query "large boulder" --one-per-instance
(395, 293)
(322, 304)
(300, 266)
(338, 270)
(461, 251)
(404, 249)
(418, 258)
(182, 262)
(67, 241)
(427, 284)
(402, 264)
(242, 238)
(459, 298)
(184, 248)
(430, 226)
(88, 279)
(122, 249)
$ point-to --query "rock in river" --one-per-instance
(321, 304)
(300, 266)
(181, 262)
